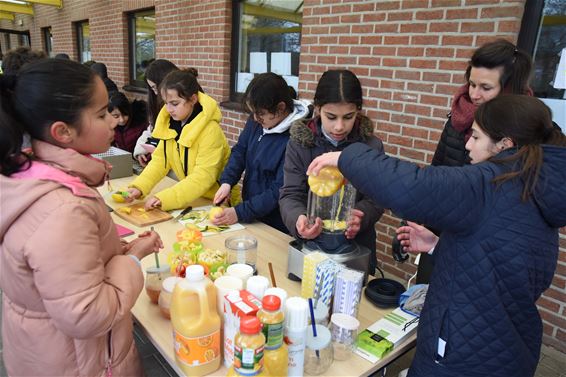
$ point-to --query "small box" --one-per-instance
(121, 161)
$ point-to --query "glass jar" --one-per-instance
(318, 351)
(344, 330)
(154, 277)
(166, 294)
(242, 249)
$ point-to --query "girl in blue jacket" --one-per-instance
(260, 152)
(498, 246)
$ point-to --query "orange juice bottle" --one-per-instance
(275, 356)
(248, 349)
(196, 324)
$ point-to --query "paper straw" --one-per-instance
(313, 323)
(273, 283)
(155, 255)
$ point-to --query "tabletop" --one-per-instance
(272, 247)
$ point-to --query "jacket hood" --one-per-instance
(301, 109)
(53, 168)
(550, 192)
(305, 132)
(210, 113)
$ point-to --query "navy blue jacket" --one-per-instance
(495, 257)
(262, 157)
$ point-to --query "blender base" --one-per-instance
(356, 259)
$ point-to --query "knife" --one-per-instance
(183, 213)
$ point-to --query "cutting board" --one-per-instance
(140, 217)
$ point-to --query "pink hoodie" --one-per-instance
(67, 288)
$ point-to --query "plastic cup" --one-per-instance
(240, 270)
(257, 285)
(344, 329)
(154, 277)
(224, 285)
(318, 351)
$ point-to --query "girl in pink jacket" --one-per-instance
(68, 282)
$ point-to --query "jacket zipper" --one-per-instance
(109, 360)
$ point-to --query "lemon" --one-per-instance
(334, 225)
(118, 198)
(327, 182)
(214, 211)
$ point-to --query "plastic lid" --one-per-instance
(321, 340)
(169, 283)
(155, 269)
(194, 272)
(296, 313)
(271, 303)
(250, 325)
(345, 321)
(240, 243)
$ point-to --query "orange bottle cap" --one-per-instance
(271, 303)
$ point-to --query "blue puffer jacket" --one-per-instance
(495, 257)
(261, 154)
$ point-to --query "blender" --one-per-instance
(331, 199)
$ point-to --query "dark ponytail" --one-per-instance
(184, 81)
(42, 93)
(527, 121)
(516, 64)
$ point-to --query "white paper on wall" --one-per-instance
(292, 81)
(243, 81)
(281, 63)
(258, 62)
(560, 79)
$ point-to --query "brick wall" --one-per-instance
(410, 56)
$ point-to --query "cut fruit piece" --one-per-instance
(334, 225)
(327, 182)
(214, 211)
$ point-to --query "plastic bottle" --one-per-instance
(275, 357)
(296, 312)
(248, 349)
(196, 324)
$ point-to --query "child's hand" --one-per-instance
(146, 243)
(228, 216)
(151, 203)
(133, 193)
(354, 223)
(221, 194)
(306, 230)
(143, 159)
(416, 238)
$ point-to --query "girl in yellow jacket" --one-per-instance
(191, 143)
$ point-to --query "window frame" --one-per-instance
(47, 36)
(134, 84)
(236, 98)
(79, 40)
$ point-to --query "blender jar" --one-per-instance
(242, 249)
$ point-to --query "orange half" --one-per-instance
(327, 182)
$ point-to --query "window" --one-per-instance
(83, 41)
(266, 38)
(48, 41)
(141, 27)
(543, 33)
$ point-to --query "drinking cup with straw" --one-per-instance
(318, 351)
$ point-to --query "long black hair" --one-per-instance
(36, 98)
(266, 91)
(156, 72)
(337, 86)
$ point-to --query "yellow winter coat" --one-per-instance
(202, 144)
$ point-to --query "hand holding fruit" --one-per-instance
(326, 159)
(133, 193)
(306, 230)
(228, 216)
(222, 194)
(354, 223)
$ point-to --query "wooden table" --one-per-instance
(272, 247)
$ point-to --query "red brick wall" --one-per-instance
(410, 56)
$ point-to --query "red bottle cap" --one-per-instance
(271, 303)
(250, 325)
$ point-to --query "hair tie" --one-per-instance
(8, 81)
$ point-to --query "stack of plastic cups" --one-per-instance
(296, 322)
(257, 285)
